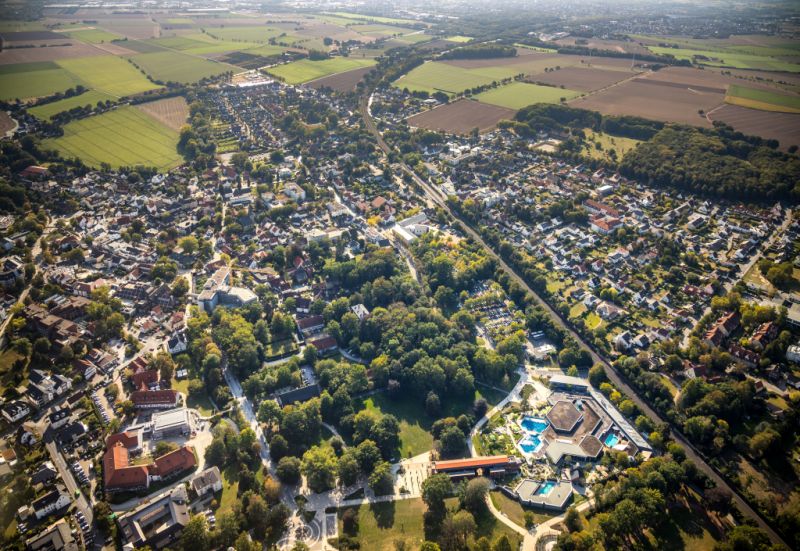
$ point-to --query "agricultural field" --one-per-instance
(520, 94)
(461, 117)
(265, 50)
(727, 58)
(763, 100)
(65, 50)
(201, 44)
(414, 38)
(92, 36)
(122, 137)
(49, 110)
(108, 74)
(171, 112)
(435, 76)
(342, 82)
(380, 31)
(654, 99)
(30, 80)
(583, 79)
(169, 66)
(784, 127)
(459, 39)
(304, 70)
(386, 20)
(259, 34)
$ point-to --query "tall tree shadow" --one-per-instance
(383, 513)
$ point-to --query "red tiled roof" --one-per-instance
(313, 321)
(117, 472)
(127, 439)
(149, 397)
(173, 462)
(471, 463)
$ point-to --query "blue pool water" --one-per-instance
(545, 488)
(530, 444)
(611, 440)
(534, 425)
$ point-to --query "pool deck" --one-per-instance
(557, 498)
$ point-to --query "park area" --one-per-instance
(123, 137)
(305, 70)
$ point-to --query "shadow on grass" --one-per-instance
(383, 513)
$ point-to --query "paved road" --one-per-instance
(616, 378)
(69, 481)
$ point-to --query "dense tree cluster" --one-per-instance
(480, 51)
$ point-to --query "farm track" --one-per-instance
(620, 381)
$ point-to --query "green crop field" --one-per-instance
(48, 110)
(727, 58)
(414, 38)
(265, 50)
(122, 137)
(30, 80)
(389, 20)
(201, 44)
(93, 36)
(169, 66)
(435, 76)
(380, 30)
(108, 74)
(520, 94)
(305, 70)
(248, 34)
(763, 100)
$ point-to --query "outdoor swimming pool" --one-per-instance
(611, 440)
(545, 488)
(530, 443)
(534, 425)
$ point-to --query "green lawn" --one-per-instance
(576, 310)
(201, 403)
(415, 436)
(30, 80)
(230, 489)
(607, 142)
(305, 70)
(382, 525)
(122, 137)
(593, 320)
(171, 66)
(93, 36)
(521, 94)
(762, 99)
(108, 74)
(7, 376)
(515, 511)
(48, 110)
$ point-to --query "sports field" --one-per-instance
(521, 94)
(172, 66)
(108, 74)
(92, 36)
(48, 110)
(122, 137)
(763, 100)
(305, 70)
(30, 80)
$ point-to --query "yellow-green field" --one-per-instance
(122, 137)
(521, 94)
(108, 74)
(31, 80)
(92, 36)
(48, 110)
(458, 38)
(306, 70)
(763, 100)
(607, 143)
(172, 66)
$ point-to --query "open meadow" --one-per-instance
(123, 137)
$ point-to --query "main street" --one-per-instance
(616, 378)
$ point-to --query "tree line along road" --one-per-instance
(612, 374)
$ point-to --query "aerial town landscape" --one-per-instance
(400, 276)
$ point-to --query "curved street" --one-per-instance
(616, 378)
